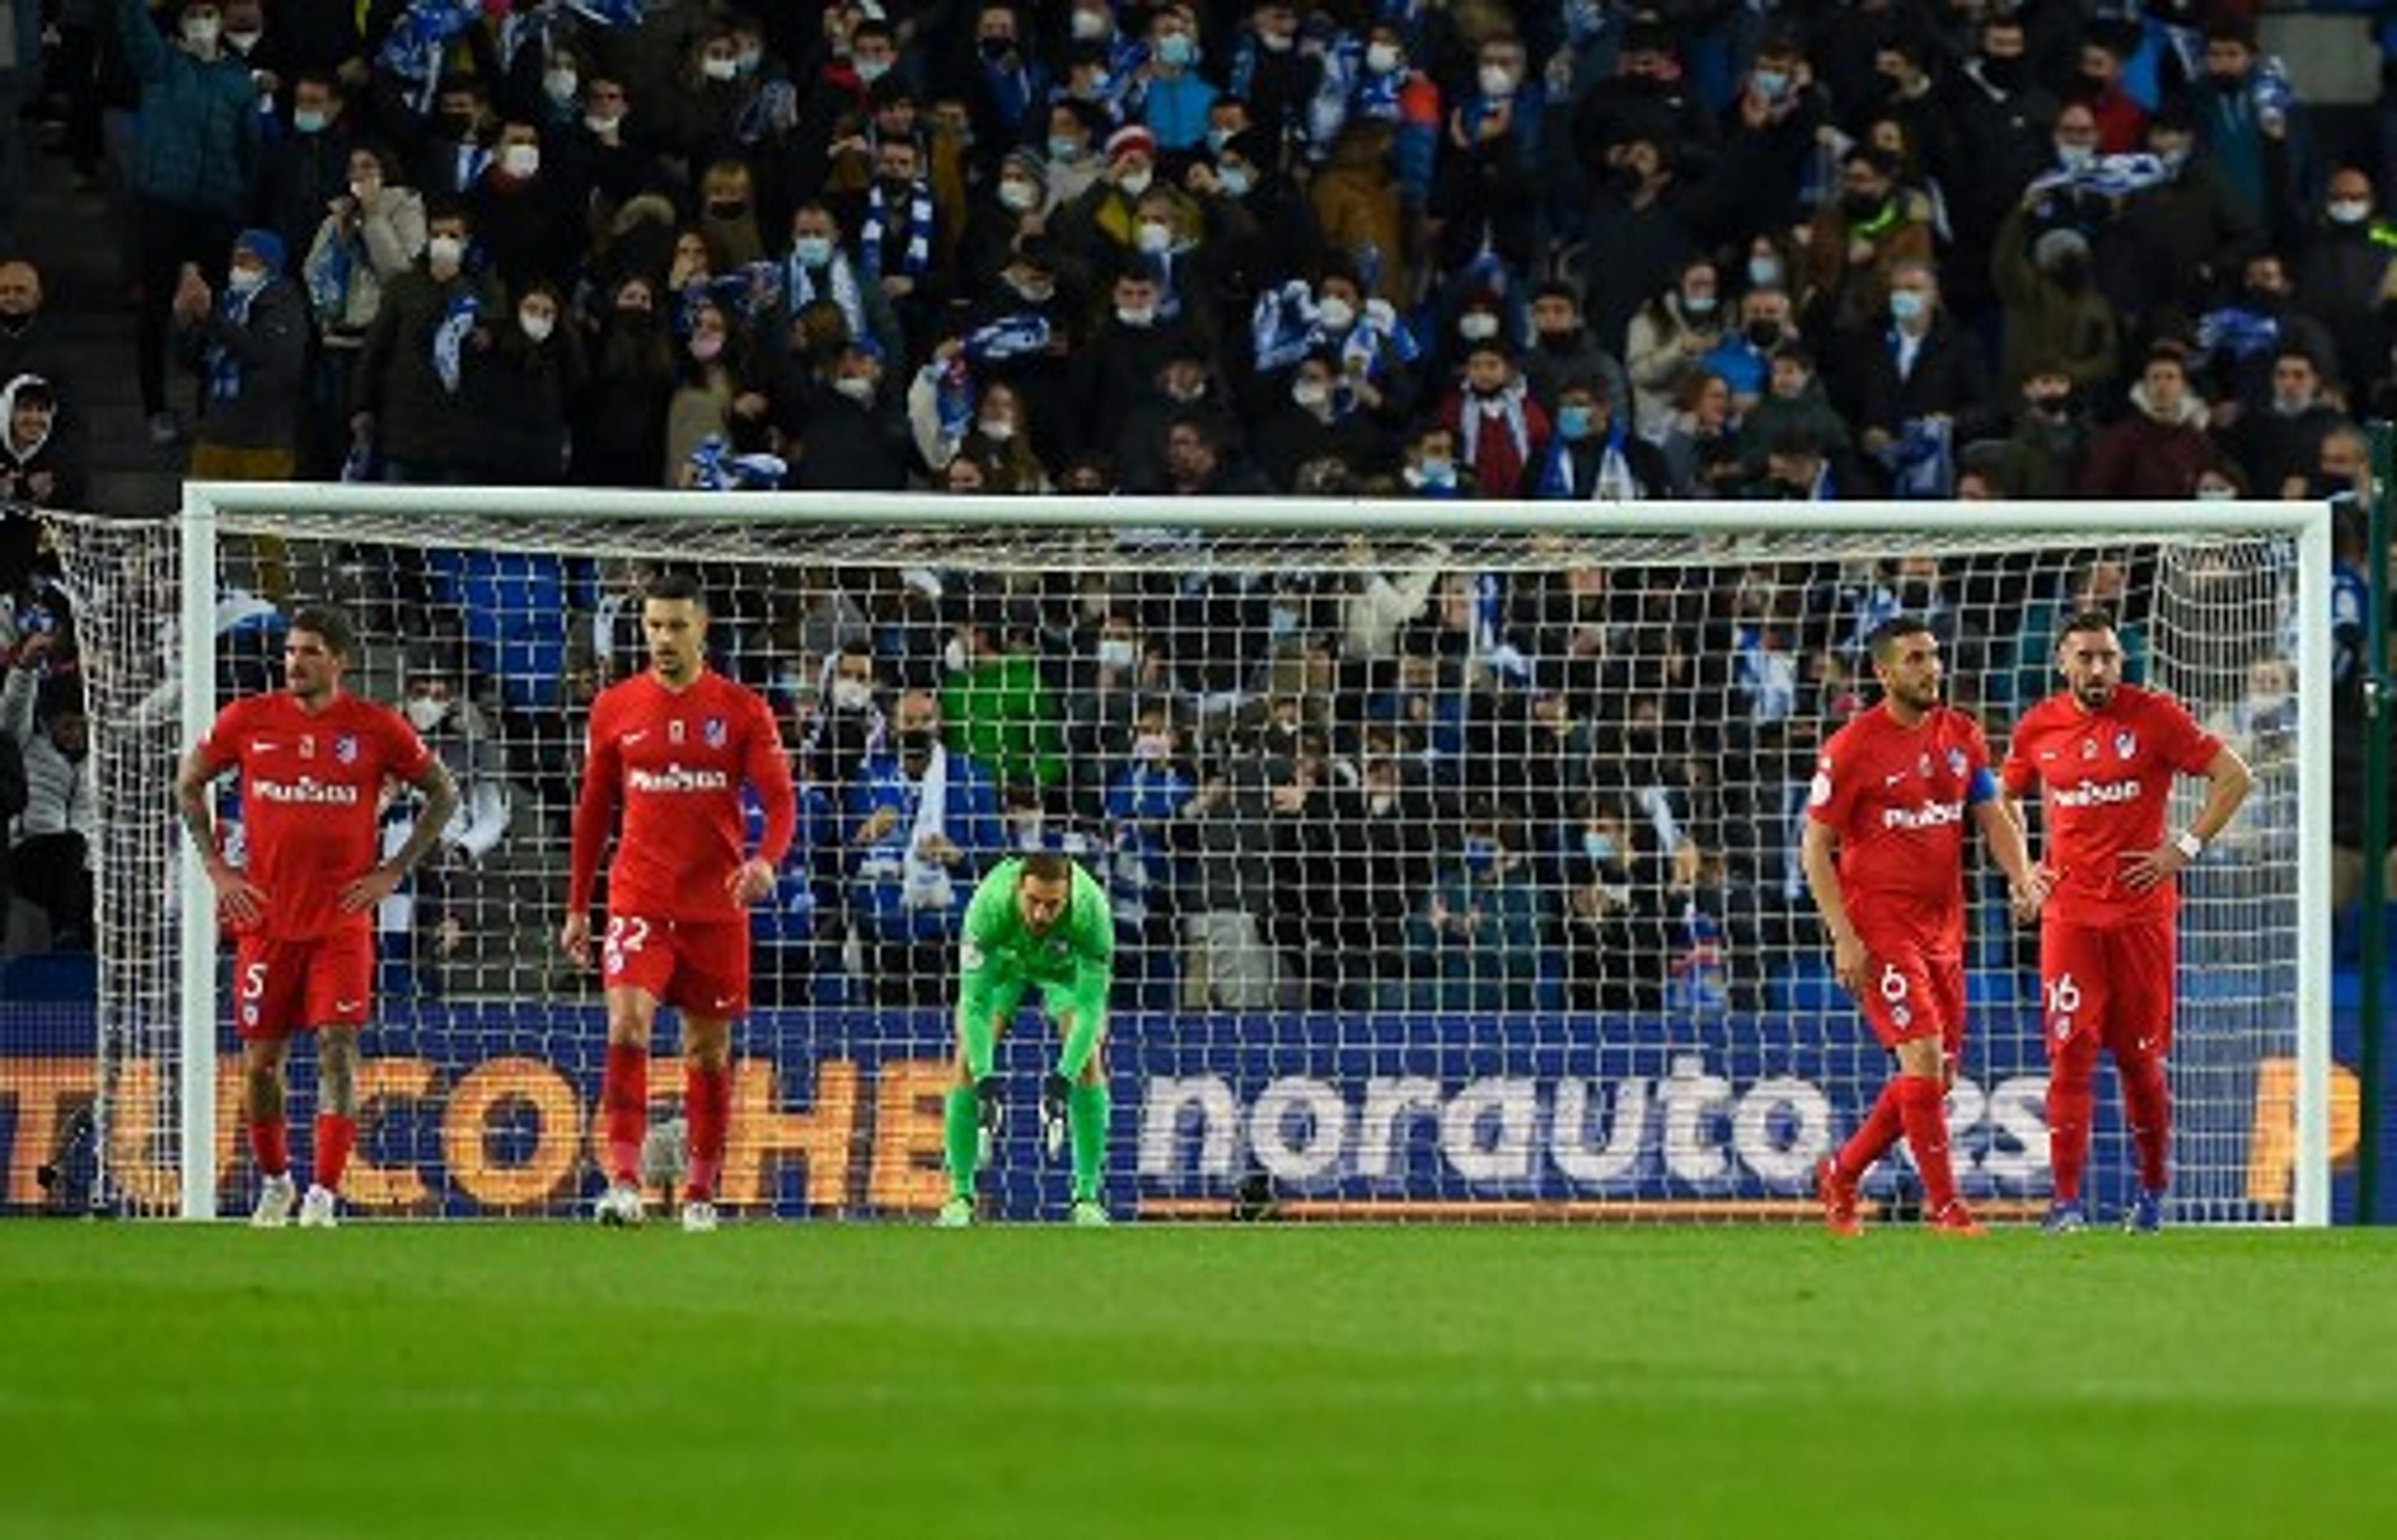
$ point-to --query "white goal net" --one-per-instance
(1452, 847)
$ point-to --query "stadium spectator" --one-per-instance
(194, 173)
(370, 233)
(251, 345)
(922, 825)
(38, 468)
(1670, 338)
(1474, 940)
(448, 908)
(407, 406)
(52, 839)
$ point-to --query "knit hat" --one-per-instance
(265, 245)
(1130, 137)
(2053, 249)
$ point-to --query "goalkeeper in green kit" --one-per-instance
(1039, 920)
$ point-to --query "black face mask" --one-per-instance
(1764, 334)
(458, 125)
(2326, 486)
(2071, 273)
(1560, 341)
(917, 742)
(727, 208)
(15, 324)
(2006, 74)
(1861, 205)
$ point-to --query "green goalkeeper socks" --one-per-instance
(1086, 1112)
(962, 1138)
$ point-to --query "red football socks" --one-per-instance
(708, 1101)
(1923, 1107)
(270, 1145)
(624, 1101)
(2071, 1102)
(1872, 1137)
(2147, 1106)
(337, 1134)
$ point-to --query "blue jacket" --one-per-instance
(199, 122)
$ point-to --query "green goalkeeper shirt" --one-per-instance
(1074, 964)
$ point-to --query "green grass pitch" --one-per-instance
(853, 1382)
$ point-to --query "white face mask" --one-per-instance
(851, 694)
(871, 70)
(244, 40)
(520, 160)
(2075, 157)
(1478, 325)
(201, 32)
(561, 85)
(953, 657)
(1310, 394)
(1017, 196)
(999, 428)
(1154, 236)
(245, 280)
(1381, 57)
(811, 250)
(445, 251)
(857, 387)
(1497, 80)
(1090, 26)
(424, 713)
(536, 325)
(2348, 210)
(1136, 180)
(600, 123)
(2216, 494)
(720, 69)
(1116, 652)
(1337, 315)
(1136, 315)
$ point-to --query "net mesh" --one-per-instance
(1452, 877)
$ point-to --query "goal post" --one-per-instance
(1691, 1073)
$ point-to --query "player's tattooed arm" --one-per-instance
(440, 791)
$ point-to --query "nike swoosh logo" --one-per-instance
(1892, 779)
(636, 737)
(261, 746)
(346, 1006)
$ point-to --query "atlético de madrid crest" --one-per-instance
(345, 748)
(714, 732)
(2126, 744)
(1955, 761)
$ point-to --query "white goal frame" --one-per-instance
(207, 506)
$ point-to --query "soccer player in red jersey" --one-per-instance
(674, 747)
(313, 760)
(1884, 856)
(2102, 756)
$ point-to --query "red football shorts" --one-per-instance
(697, 966)
(280, 987)
(1907, 996)
(2115, 984)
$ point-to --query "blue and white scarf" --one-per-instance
(2107, 176)
(1921, 459)
(916, 260)
(1017, 336)
(449, 338)
(225, 372)
(1615, 482)
(419, 40)
(2241, 333)
(953, 401)
(615, 15)
(1285, 329)
(773, 110)
(715, 468)
(327, 273)
(800, 288)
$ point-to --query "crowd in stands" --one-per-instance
(1565, 250)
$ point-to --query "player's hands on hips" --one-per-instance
(2144, 869)
(574, 939)
(239, 899)
(754, 880)
(362, 894)
(1851, 962)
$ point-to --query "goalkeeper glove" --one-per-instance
(987, 1113)
(1053, 1113)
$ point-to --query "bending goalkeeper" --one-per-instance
(1037, 920)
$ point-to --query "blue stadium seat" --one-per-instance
(514, 608)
